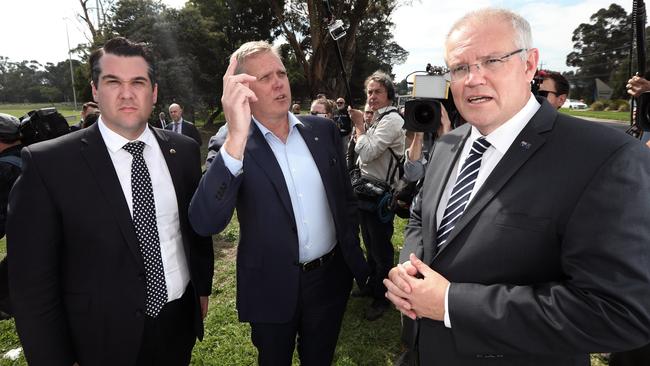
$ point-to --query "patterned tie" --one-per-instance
(462, 190)
(144, 220)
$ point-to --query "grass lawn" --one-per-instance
(19, 110)
(618, 116)
(227, 342)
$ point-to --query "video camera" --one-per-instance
(343, 121)
(423, 113)
(42, 124)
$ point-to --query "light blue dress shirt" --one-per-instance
(316, 231)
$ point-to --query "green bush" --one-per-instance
(597, 105)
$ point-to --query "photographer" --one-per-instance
(379, 147)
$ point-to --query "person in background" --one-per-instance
(179, 125)
(555, 88)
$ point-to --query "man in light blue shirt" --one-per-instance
(299, 245)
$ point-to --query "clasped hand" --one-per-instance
(416, 290)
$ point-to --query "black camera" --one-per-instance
(422, 113)
(42, 124)
(343, 122)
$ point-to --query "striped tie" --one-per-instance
(462, 190)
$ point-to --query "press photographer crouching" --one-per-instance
(379, 147)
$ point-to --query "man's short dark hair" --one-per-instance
(121, 46)
(89, 105)
(561, 83)
(383, 79)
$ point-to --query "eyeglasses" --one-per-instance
(340, 103)
(318, 114)
(492, 64)
(544, 93)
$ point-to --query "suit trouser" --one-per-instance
(168, 339)
(323, 297)
(377, 239)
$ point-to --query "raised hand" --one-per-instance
(236, 100)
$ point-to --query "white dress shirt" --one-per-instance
(167, 220)
(500, 140)
(316, 231)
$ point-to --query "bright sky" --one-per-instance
(36, 29)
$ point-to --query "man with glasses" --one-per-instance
(515, 253)
(555, 88)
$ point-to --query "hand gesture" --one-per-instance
(236, 100)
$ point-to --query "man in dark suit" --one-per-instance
(528, 243)
(179, 125)
(299, 247)
(105, 268)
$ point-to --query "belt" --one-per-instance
(316, 263)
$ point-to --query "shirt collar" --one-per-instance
(293, 122)
(504, 135)
(115, 141)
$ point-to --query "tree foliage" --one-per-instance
(303, 23)
(601, 50)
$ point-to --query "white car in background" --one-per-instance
(574, 104)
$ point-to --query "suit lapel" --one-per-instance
(258, 149)
(100, 164)
(523, 148)
(446, 152)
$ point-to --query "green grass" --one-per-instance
(19, 110)
(227, 341)
(617, 116)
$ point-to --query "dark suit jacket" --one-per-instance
(551, 258)
(188, 129)
(76, 272)
(267, 274)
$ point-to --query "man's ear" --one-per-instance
(94, 91)
(562, 99)
(155, 93)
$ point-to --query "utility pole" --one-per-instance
(74, 92)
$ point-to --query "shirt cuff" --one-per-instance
(235, 166)
(447, 318)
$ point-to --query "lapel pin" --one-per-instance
(172, 151)
(525, 145)
(316, 138)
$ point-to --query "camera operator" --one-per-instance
(10, 168)
(379, 146)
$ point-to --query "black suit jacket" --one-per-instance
(188, 129)
(76, 272)
(267, 274)
(551, 258)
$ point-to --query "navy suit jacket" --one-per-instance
(551, 259)
(267, 257)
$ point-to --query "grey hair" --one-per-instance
(250, 49)
(523, 37)
(385, 80)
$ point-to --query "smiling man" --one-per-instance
(299, 246)
(105, 268)
(516, 252)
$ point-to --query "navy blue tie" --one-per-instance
(462, 190)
